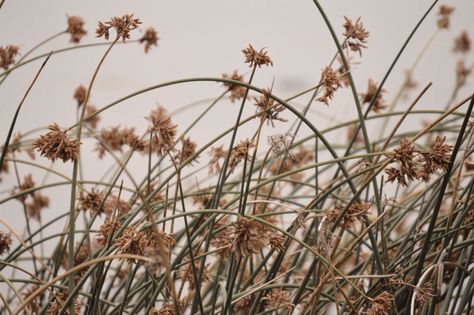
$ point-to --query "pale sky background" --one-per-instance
(205, 38)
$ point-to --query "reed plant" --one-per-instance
(252, 220)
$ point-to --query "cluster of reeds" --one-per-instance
(273, 223)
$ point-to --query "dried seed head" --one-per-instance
(249, 237)
(330, 83)
(5, 242)
(462, 73)
(237, 92)
(107, 229)
(278, 300)
(80, 94)
(437, 158)
(267, 109)
(57, 303)
(356, 35)
(150, 38)
(381, 304)
(122, 25)
(216, 154)
(90, 201)
(367, 97)
(443, 16)
(355, 212)
(163, 130)
(132, 242)
(114, 138)
(75, 27)
(7, 55)
(186, 274)
(81, 255)
(240, 152)
(188, 149)
(252, 57)
(57, 145)
(462, 43)
(410, 167)
(26, 184)
(37, 203)
(280, 144)
(91, 122)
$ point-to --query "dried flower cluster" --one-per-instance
(57, 303)
(114, 138)
(133, 241)
(7, 55)
(56, 144)
(302, 157)
(444, 13)
(80, 94)
(462, 43)
(356, 211)
(5, 242)
(381, 304)
(330, 83)
(278, 300)
(33, 201)
(237, 92)
(150, 38)
(187, 151)
(163, 131)
(280, 144)
(240, 152)
(260, 58)
(75, 27)
(122, 25)
(367, 97)
(356, 35)
(267, 109)
(250, 237)
(416, 164)
(217, 153)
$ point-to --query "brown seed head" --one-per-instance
(122, 25)
(75, 27)
(356, 35)
(57, 145)
(7, 55)
(252, 57)
(163, 130)
(267, 109)
(462, 43)
(37, 203)
(330, 83)
(5, 242)
(150, 38)
(131, 241)
(188, 149)
(240, 152)
(249, 237)
(91, 122)
(80, 94)
(443, 16)
(367, 97)
(381, 304)
(107, 229)
(90, 201)
(236, 92)
(462, 73)
(217, 153)
(278, 300)
(57, 302)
